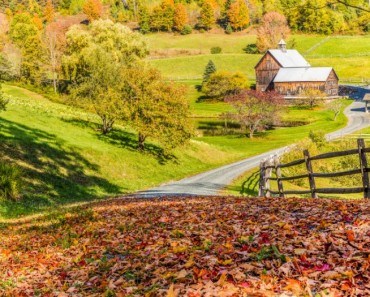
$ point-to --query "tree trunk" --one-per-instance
(55, 83)
(335, 115)
(107, 124)
(141, 142)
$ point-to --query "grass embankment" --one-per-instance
(247, 184)
(66, 160)
(191, 247)
(349, 62)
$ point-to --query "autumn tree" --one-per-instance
(273, 27)
(93, 60)
(3, 100)
(162, 17)
(93, 9)
(53, 40)
(6, 72)
(335, 107)
(26, 36)
(126, 46)
(311, 97)
(322, 21)
(49, 11)
(157, 109)
(207, 15)
(256, 110)
(238, 15)
(99, 92)
(33, 7)
(223, 83)
(180, 17)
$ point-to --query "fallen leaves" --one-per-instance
(209, 246)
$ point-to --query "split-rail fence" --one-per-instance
(268, 166)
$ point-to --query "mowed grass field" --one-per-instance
(234, 43)
(349, 55)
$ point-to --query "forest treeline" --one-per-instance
(184, 16)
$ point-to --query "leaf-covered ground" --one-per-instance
(208, 246)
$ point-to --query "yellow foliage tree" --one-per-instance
(207, 15)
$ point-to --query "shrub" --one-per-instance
(10, 181)
(317, 137)
(223, 83)
(251, 49)
(186, 30)
(228, 29)
(216, 50)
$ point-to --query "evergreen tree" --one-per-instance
(228, 29)
(144, 20)
(210, 68)
(207, 15)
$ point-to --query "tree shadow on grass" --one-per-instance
(53, 172)
(126, 140)
(249, 187)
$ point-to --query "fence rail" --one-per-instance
(268, 166)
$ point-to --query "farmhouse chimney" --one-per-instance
(282, 45)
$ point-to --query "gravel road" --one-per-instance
(211, 182)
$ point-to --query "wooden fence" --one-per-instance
(268, 166)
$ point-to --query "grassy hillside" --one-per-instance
(65, 159)
(350, 62)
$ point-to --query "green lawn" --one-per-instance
(234, 43)
(203, 108)
(344, 46)
(319, 119)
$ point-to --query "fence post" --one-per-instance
(310, 172)
(268, 172)
(262, 179)
(363, 165)
(278, 176)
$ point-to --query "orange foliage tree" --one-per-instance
(93, 9)
(274, 26)
(180, 17)
(49, 11)
(238, 15)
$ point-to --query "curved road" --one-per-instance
(211, 182)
